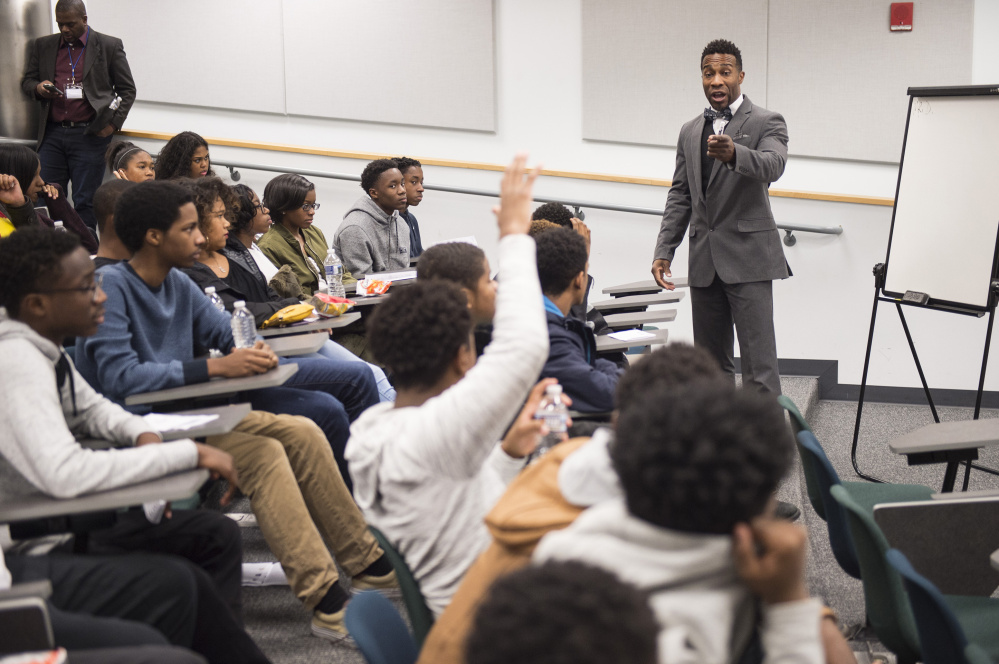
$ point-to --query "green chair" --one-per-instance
(885, 599)
(420, 615)
(798, 424)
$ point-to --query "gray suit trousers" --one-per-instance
(750, 308)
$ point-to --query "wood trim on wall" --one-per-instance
(482, 166)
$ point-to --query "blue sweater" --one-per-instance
(149, 334)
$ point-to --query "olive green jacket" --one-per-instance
(281, 247)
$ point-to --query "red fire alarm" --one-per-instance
(901, 16)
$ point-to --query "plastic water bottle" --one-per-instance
(334, 274)
(58, 226)
(244, 328)
(555, 415)
(214, 297)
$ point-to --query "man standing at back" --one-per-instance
(84, 90)
(725, 162)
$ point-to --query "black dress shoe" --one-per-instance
(787, 511)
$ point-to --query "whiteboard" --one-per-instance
(946, 220)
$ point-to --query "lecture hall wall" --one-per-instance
(823, 312)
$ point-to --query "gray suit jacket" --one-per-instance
(106, 74)
(732, 229)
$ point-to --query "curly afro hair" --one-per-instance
(205, 192)
(555, 213)
(406, 163)
(374, 170)
(561, 256)
(460, 262)
(700, 457)
(539, 226)
(671, 366)
(29, 258)
(148, 205)
(174, 160)
(285, 193)
(417, 332)
(723, 47)
(563, 613)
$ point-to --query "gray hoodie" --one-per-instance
(39, 426)
(371, 240)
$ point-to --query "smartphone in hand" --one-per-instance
(53, 89)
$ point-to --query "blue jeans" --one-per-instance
(334, 351)
(68, 154)
(331, 394)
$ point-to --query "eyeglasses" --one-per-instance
(98, 281)
(310, 206)
(258, 206)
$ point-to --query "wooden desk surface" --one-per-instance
(606, 344)
(321, 324)
(966, 434)
(634, 319)
(216, 386)
(639, 301)
(642, 287)
(298, 344)
(171, 487)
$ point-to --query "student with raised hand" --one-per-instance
(127, 161)
(184, 156)
(428, 467)
(49, 291)
(702, 554)
(154, 318)
(572, 357)
(563, 612)
(110, 250)
(412, 179)
(372, 236)
(293, 239)
(23, 163)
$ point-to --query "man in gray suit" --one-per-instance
(84, 89)
(725, 162)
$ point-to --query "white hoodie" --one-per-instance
(426, 476)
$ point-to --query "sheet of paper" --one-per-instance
(164, 422)
(631, 335)
(401, 275)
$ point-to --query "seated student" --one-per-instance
(110, 250)
(251, 219)
(466, 265)
(293, 239)
(184, 156)
(412, 179)
(127, 161)
(15, 209)
(48, 292)
(154, 317)
(698, 480)
(563, 612)
(372, 237)
(222, 266)
(428, 467)
(572, 358)
(555, 213)
(22, 162)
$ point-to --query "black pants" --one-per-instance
(135, 655)
(166, 593)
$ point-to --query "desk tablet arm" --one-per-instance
(24, 618)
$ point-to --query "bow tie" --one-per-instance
(712, 114)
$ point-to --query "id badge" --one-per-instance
(74, 92)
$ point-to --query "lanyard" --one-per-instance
(72, 65)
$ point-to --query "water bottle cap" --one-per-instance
(57, 224)
(210, 290)
(553, 389)
(239, 304)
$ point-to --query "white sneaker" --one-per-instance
(264, 574)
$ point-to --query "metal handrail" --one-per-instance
(576, 205)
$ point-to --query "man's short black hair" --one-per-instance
(374, 170)
(561, 256)
(406, 163)
(105, 199)
(71, 7)
(153, 204)
(418, 331)
(460, 262)
(29, 260)
(700, 457)
(285, 193)
(174, 160)
(723, 47)
(555, 213)
(671, 366)
(563, 613)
